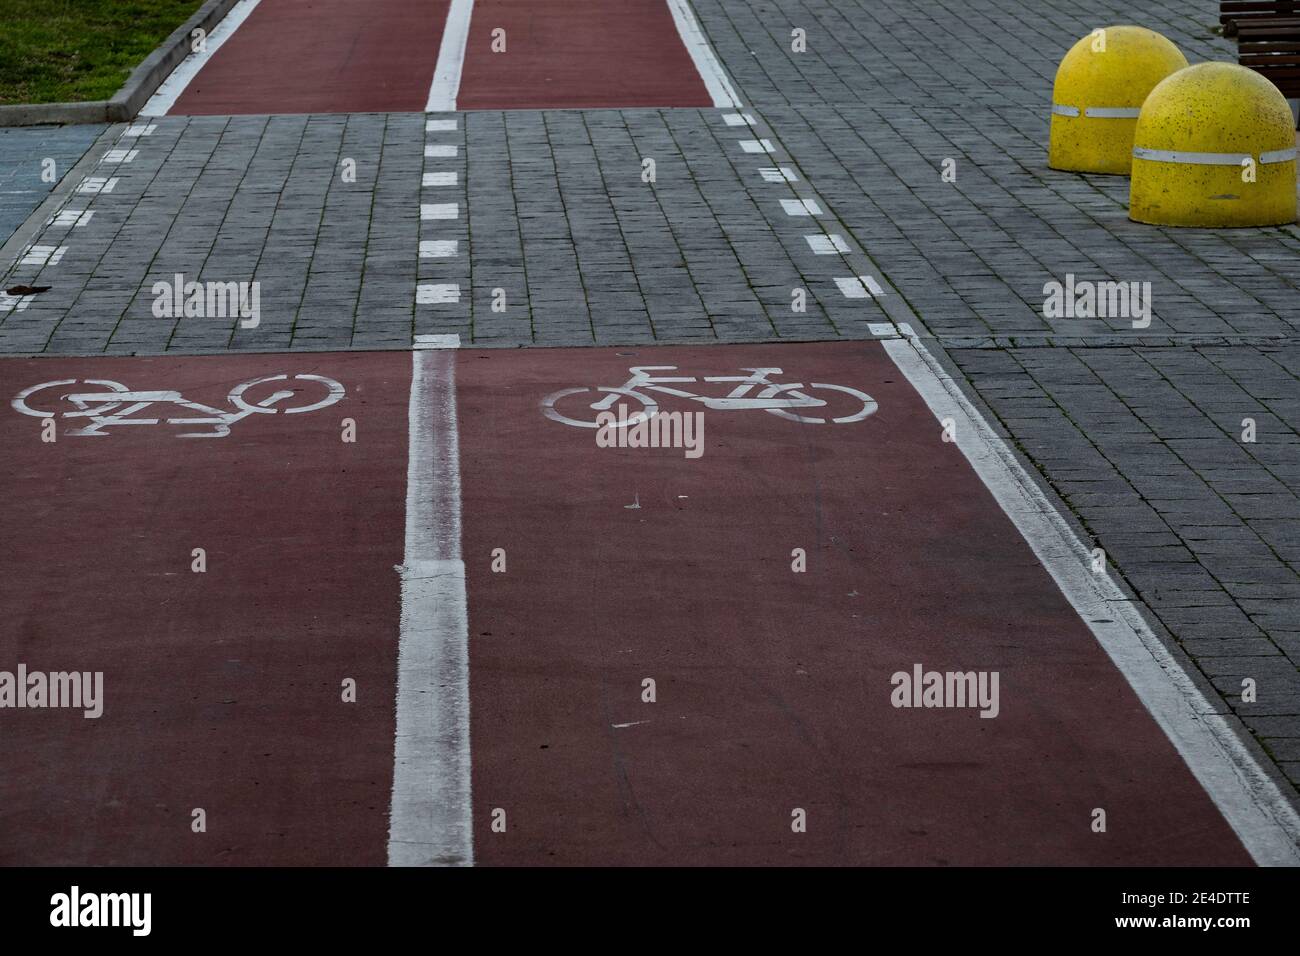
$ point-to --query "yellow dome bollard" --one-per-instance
(1215, 146)
(1099, 88)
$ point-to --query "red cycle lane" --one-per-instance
(223, 690)
(577, 54)
(336, 56)
(322, 56)
(773, 687)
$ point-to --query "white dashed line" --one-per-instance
(70, 218)
(144, 129)
(801, 207)
(439, 248)
(439, 210)
(778, 174)
(43, 256)
(437, 293)
(120, 156)
(440, 126)
(439, 179)
(97, 184)
(757, 146)
(860, 287)
(440, 150)
(14, 303)
(738, 119)
(451, 341)
(827, 245)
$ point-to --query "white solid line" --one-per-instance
(706, 62)
(164, 98)
(431, 820)
(1256, 810)
(451, 58)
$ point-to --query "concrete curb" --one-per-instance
(139, 86)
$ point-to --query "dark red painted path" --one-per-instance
(773, 687)
(341, 56)
(578, 54)
(323, 56)
(223, 689)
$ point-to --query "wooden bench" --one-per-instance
(1272, 49)
(1233, 13)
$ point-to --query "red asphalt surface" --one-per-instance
(773, 687)
(343, 56)
(578, 54)
(322, 56)
(222, 689)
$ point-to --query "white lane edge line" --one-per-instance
(1265, 822)
(451, 58)
(701, 51)
(431, 820)
(169, 91)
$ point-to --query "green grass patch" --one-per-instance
(54, 51)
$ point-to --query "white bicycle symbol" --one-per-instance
(784, 400)
(106, 403)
